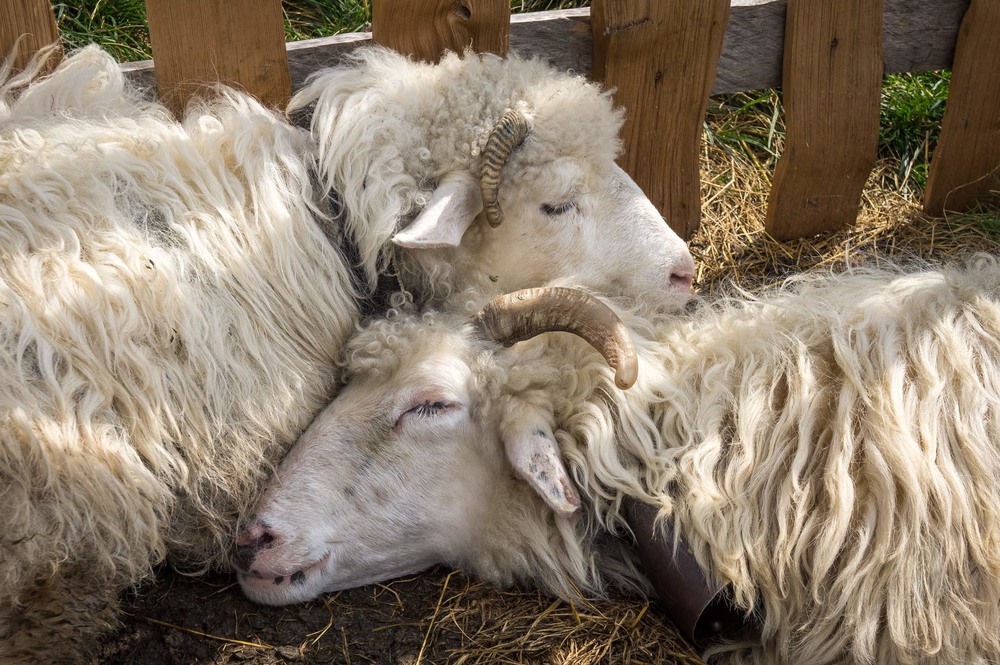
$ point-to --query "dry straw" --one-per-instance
(732, 248)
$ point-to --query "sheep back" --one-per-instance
(170, 314)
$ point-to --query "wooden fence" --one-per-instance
(664, 58)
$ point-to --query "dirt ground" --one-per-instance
(440, 616)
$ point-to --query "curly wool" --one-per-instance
(828, 449)
(170, 314)
(383, 141)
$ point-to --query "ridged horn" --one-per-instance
(509, 132)
(523, 314)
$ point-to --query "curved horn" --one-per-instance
(523, 314)
(507, 135)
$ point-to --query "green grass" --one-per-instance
(117, 25)
(912, 107)
(912, 110)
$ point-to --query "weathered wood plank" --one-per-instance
(660, 57)
(832, 90)
(562, 38)
(25, 27)
(966, 164)
(919, 36)
(240, 42)
(428, 28)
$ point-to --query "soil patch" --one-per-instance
(440, 616)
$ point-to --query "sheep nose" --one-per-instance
(682, 281)
(682, 274)
(249, 542)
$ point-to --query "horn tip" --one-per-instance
(626, 375)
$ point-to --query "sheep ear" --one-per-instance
(532, 450)
(453, 207)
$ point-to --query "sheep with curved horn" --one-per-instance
(829, 450)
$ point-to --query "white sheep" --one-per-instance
(173, 295)
(829, 449)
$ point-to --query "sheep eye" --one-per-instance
(554, 210)
(429, 408)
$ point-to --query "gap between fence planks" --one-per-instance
(661, 58)
(832, 92)
(199, 42)
(426, 29)
(27, 25)
(966, 163)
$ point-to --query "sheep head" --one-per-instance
(534, 218)
(491, 174)
(426, 456)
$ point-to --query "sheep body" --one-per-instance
(170, 311)
(836, 451)
(829, 449)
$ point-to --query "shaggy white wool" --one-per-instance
(829, 449)
(170, 312)
(836, 453)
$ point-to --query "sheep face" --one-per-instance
(566, 220)
(412, 464)
(382, 484)
(417, 151)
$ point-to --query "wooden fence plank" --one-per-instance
(26, 25)
(426, 29)
(919, 36)
(240, 42)
(966, 164)
(832, 90)
(661, 57)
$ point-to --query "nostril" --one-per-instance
(682, 280)
(249, 542)
(251, 535)
(243, 556)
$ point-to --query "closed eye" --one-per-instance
(430, 408)
(427, 410)
(554, 210)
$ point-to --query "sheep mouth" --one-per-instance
(297, 578)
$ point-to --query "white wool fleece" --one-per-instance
(170, 313)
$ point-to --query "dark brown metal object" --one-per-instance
(703, 611)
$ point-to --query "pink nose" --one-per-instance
(682, 273)
(250, 541)
(682, 280)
